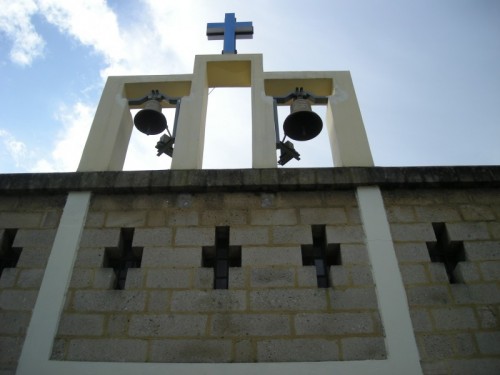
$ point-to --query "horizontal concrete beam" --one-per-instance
(252, 179)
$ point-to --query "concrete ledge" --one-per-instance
(252, 179)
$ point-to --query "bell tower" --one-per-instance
(255, 271)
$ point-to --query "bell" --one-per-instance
(150, 120)
(302, 124)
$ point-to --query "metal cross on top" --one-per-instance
(230, 30)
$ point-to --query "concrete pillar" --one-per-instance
(348, 140)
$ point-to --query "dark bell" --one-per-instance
(150, 120)
(302, 124)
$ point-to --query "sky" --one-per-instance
(426, 74)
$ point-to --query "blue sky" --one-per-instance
(426, 73)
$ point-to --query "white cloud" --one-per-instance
(16, 150)
(70, 141)
(15, 22)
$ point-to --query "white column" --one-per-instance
(348, 140)
(51, 296)
(110, 133)
(263, 129)
(190, 137)
(401, 347)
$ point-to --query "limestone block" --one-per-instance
(212, 300)
(182, 217)
(34, 238)
(400, 214)
(363, 348)
(167, 325)
(324, 215)
(465, 345)
(428, 295)
(272, 277)
(437, 213)
(168, 278)
(81, 278)
(353, 254)
(243, 351)
(490, 270)
(135, 278)
(271, 256)
(288, 299)
(339, 276)
(292, 235)
(333, 324)
(152, 237)
(413, 274)
(476, 293)
(297, 350)
(237, 278)
(204, 277)
(353, 298)
(14, 322)
(11, 350)
(488, 317)
(20, 220)
(109, 300)
(412, 232)
(90, 257)
(158, 301)
(241, 325)
(117, 325)
(224, 217)
(81, 325)
(483, 250)
(477, 212)
(249, 235)
(474, 366)
(437, 347)
(126, 219)
(95, 220)
(466, 272)
(191, 351)
(100, 238)
(104, 278)
(421, 320)
(412, 252)
(361, 275)
(454, 318)
(153, 257)
(438, 272)
(345, 234)
(156, 218)
(30, 278)
(306, 276)
(488, 342)
(467, 231)
(8, 278)
(107, 350)
(283, 216)
(22, 300)
(194, 236)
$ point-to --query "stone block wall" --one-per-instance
(457, 323)
(27, 229)
(273, 309)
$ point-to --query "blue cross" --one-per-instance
(230, 30)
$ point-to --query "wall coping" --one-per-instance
(221, 180)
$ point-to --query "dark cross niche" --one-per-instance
(321, 255)
(8, 255)
(446, 251)
(220, 257)
(123, 257)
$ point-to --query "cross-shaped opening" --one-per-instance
(221, 256)
(446, 251)
(123, 257)
(8, 255)
(321, 255)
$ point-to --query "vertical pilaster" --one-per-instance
(263, 133)
(190, 138)
(348, 140)
(52, 294)
(400, 341)
(110, 133)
